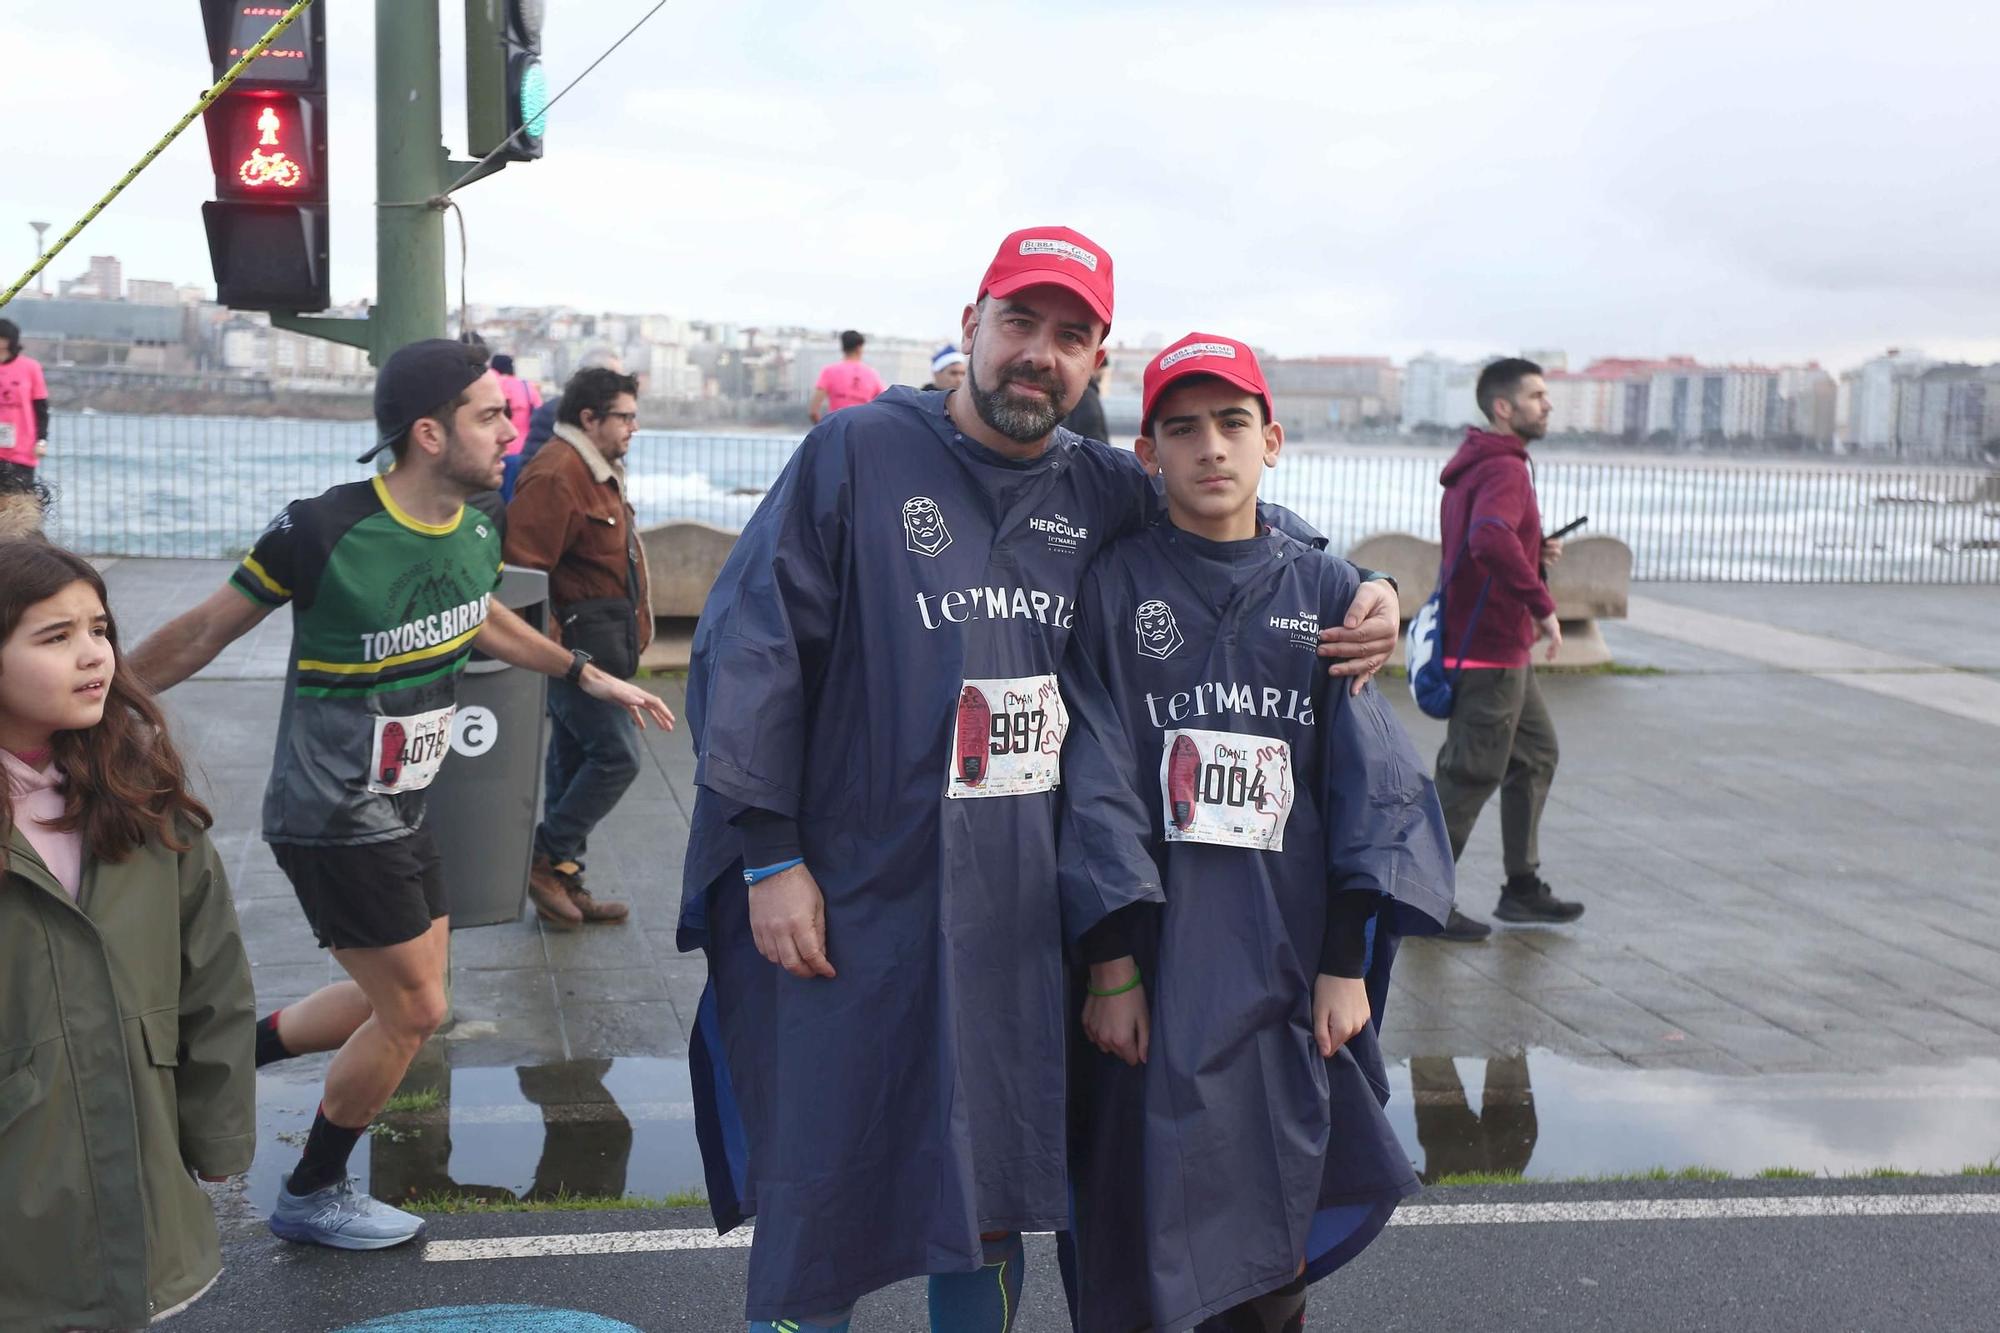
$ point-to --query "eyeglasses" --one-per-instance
(629, 418)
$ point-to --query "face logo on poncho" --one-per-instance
(923, 526)
(1159, 636)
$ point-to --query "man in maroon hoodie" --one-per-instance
(1497, 608)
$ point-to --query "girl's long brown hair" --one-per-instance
(125, 780)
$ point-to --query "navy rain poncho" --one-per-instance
(1264, 798)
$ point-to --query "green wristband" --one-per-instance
(1130, 985)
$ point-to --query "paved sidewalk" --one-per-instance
(1784, 872)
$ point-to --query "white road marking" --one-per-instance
(1449, 1214)
(1702, 1210)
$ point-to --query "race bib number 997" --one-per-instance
(406, 751)
(1222, 788)
(1007, 738)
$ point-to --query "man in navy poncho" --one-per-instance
(1230, 1139)
(878, 720)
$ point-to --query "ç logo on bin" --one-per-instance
(473, 731)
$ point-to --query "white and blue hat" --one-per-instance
(947, 355)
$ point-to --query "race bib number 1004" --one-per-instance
(1007, 738)
(1222, 788)
(406, 751)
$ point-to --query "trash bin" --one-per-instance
(484, 802)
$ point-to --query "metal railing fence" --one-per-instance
(169, 486)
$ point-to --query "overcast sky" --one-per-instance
(1735, 179)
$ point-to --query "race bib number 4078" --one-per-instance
(1227, 789)
(406, 751)
(1007, 738)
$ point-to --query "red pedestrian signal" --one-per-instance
(267, 229)
(267, 145)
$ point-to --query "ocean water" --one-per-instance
(206, 486)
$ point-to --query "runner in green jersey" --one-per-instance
(390, 582)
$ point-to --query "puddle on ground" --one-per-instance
(594, 1127)
(1552, 1118)
(626, 1126)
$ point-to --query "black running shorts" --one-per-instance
(368, 896)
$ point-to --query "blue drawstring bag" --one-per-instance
(1432, 685)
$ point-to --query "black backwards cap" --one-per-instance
(415, 379)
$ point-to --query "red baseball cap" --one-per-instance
(1056, 256)
(1204, 354)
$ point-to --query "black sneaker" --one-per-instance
(1535, 902)
(1462, 929)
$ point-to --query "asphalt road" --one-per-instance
(1920, 1255)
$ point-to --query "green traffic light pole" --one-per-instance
(412, 169)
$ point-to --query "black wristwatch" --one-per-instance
(578, 660)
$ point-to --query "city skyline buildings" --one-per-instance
(1897, 403)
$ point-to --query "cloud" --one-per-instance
(1731, 180)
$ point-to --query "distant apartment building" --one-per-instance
(1877, 418)
(246, 344)
(104, 280)
(1956, 413)
(1438, 393)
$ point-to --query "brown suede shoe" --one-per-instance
(550, 894)
(594, 912)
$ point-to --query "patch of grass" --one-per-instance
(1784, 1173)
(1478, 1178)
(408, 1103)
(1989, 1167)
(1656, 1173)
(1881, 1173)
(1605, 669)
(564, 1202)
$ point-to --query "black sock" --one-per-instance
(325, 1158)
(269, 1048)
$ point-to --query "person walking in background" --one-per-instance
(1497, 608)
(126, 1014)
(848, 382)
(1087, 417)
(572, 517)
(542, 425)
(24, 409)
(947, 368)
(522, 400)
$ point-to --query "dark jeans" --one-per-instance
(1500, 736)
(594, 753)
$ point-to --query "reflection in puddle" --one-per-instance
(605, 1127)
(612, 1127)
(1456, 1139)
(1554, 1118)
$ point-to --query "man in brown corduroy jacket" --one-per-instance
(572, 517)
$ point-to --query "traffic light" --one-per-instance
(505, 88)
(268, 225)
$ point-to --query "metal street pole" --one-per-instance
(409, 171)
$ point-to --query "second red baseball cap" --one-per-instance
(1053, 255)
(1204, 354)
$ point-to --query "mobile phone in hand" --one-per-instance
(1566, 529)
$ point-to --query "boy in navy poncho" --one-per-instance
(1229, 1143)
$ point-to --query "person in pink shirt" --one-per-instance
(847, 382)
(24, 408)
(522, 399)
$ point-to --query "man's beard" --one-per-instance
(1534, 432)
(1021, 423)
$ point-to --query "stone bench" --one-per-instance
(683, 559)
(1591, 583)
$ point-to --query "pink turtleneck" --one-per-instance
(38, 801)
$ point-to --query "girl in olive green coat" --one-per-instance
(126, 1017)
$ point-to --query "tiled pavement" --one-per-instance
(1783, 872)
